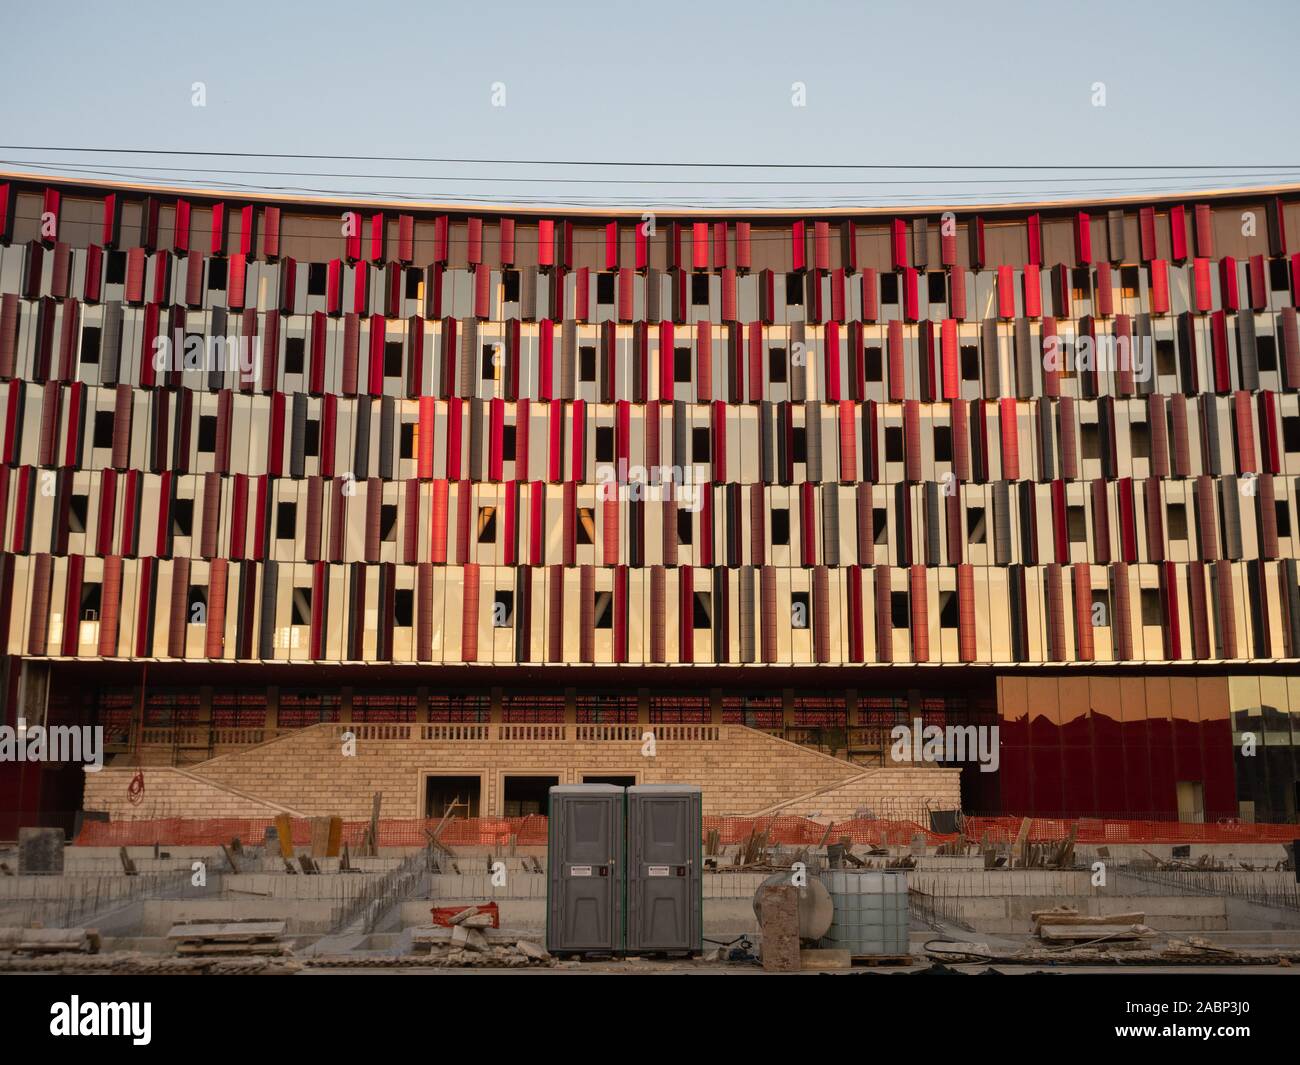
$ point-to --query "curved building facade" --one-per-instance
(272, 464)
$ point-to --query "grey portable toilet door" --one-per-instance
(664, 869)
(587, 905)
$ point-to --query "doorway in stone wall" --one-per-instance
(455, 796)
(523, 796)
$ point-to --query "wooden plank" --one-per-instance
(1022, 837)
(1054, 933)
(284, 832)
(372, 833)
(320, 836)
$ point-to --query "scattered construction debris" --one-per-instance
(470, 947)
(234, 937)
(284, 833)
(483, 915)
(40, 941)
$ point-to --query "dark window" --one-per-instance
(393, 358)
(893, 443)
(1091, 440)
(699, 445)
(879, 525)
(604, 444)
(888, 288)
(510, 286)
(700, 290)
(488, 369)
(776, 366)
(899, 614)
(311, 439)
(91, 596)
(407, 444)
(942, 443)
(1151, 612)
(681, 364)
(103, 433)
(507, 443)
(216, 274)
(780, 527)
(947, 610)
(937, 284)
(182, 517)
(603, 610)
(970, 362)
(90, 344)
(1128, 282)
(414, 278)
(286, 520)
(1266, 352)
(198, 594)
(1291, 432)
(793, 290)
(1139, 438)
(703, 614)
(586, 364)
(115, 270)
(1165, 363)
(503, 609)
(800, 609)
(685, 528)
(1081, 282)
(976, 531)
(301, 607)
(403, 607)
(586, 526)
(1278, 280)
(1283, 517)
(487, 525)
(1176, 521)
(604, 288)
(207, 433)
(295, 354)
(1077, 524)
(1100, 618)
(388, 522)
(799, 445)
(78, 511)
(874, 365)
(317, 277)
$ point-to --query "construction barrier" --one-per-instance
(442, 915)
(1109, 831)
(498, 832)
(393, 832)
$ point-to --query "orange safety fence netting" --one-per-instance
(393, 832)
(788, 831)
(803, 832)
(1105, 831)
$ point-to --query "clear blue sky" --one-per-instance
(938, 82)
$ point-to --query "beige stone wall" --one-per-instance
(170, 793)
(742, 771)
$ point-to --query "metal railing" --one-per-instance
(1249, 886)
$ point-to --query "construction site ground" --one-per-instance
(203, 909)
